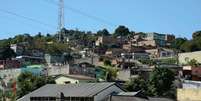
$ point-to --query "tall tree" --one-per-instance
(103, 32)
(121, 31)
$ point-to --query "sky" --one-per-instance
(178, 17)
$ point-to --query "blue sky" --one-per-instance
(179, 17)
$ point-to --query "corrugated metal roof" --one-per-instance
(69, 90)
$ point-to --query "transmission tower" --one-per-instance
(61, 19)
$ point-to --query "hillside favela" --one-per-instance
(100, 50)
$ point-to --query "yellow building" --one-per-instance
(189, 94)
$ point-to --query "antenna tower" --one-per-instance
(61, 18)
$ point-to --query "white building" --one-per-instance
(66, 79)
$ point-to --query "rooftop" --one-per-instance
(69, 90)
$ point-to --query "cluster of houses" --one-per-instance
(78, 80)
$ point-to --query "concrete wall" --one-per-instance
(191, 84)
(124, 75)
(57, 70)
(104, 95)
(185, 57)
(189, 94)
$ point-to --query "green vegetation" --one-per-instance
(160, 83)
(193, 63)
(168, 61)
(136, 84)
(107, 62)
(148, 62)
(111, 74)
(184, 45)
(103, 32)
(6, 53)
(121, 31)
(7, 94)
(28, 82)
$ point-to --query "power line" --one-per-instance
(30, 25)
(27, 18)
(84, 14)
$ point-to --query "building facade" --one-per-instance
(184, 58)
(191, 91)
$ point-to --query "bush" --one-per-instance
(107, 62)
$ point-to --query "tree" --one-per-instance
(136, 84)
(121, 31)
(28, 82)
(160, 81)
(111, 74)
(6, 53)
(178, 43)
(196, 34)
(39, 35)
(103, 32)
(107, 62)
(189, 46)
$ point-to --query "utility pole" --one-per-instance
(60, 19)
(92, 53)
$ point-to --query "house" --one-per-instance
(108, 41)
(102, 40)
(191, 73)
(73, 92)
(57, 59)
(19, 48)
(184, 58)
(191, 91)
(169, 39)
(135, 55)
(153, 39)
(115, 52)
(6, 64)
(160, 39)
(66, 79)
(126, 74)
(85, 69)
(161, 53)
(24, 59)
(37, 53)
